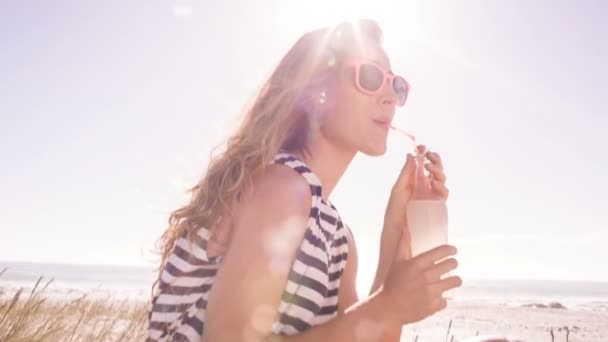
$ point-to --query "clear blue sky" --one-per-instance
(108, 109)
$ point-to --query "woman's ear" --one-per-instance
(318, 94)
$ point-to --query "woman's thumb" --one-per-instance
(407, 173)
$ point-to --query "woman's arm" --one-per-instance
(392, 244)
(395, 239)
(348, 296)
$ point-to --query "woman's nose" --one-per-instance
(388, 96)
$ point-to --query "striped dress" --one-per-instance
(310, 298)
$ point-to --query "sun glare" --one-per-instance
(301, 16)
(401, 23)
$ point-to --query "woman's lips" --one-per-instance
(383, 123)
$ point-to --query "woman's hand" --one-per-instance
(394, 217)
(414, 288)
(438, 177)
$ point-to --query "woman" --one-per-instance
(260, 253)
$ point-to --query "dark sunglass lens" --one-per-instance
(370, 77)
(400, 87)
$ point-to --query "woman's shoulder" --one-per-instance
(276, 195)
(270, 219)
(280, 183)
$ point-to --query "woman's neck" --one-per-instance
(328, 161)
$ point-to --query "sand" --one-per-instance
(523, 323)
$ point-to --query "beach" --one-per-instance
(101, 317)
(115, 309)
(524, 323)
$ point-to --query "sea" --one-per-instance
(135, 282)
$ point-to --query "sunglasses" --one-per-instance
(370, 78)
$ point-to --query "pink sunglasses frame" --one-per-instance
(388, 77)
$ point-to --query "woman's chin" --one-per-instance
(374, 150)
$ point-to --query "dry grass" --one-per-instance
(33, 316)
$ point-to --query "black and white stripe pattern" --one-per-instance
(310, 298)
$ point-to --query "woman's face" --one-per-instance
(360, 122)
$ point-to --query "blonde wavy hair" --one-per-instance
(279, 119)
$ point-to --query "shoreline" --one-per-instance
(60, 291)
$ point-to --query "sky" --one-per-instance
(109, 110)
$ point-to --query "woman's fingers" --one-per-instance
(435, 158)
(436, 172)
(421, 149)
(440, 286)
(438, 177)
(428, 259)
(440, 189)
(435, 272)
(435, 168)
(438, 304)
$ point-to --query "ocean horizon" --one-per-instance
(69, 280)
